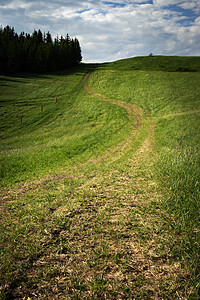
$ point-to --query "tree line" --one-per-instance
(36, 52)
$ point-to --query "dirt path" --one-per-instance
(119, 246)
(135, 114)
(110, 241)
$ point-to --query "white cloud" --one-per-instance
(197, 21)
(167, 2)
(188, 5)
(17, 4)
(192, 5)
(185, 4)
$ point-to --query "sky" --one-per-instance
(112, 30)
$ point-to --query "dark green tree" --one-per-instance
(36, 52)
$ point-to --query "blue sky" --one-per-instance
(111, 30)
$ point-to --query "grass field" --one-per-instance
(49, 121)
(100, 181)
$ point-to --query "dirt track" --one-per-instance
(113, 230)
(135, 113)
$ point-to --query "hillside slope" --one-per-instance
(113, 210)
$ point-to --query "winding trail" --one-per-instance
(133, 110)
(110, 240)
(135, 114)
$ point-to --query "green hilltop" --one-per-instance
(159, 63)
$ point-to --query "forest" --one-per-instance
(37, 52)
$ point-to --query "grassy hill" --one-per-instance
(100, 181)
(48, 121)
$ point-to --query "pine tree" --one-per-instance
(36, 52)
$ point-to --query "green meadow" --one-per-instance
(48, 122)
(100, 181)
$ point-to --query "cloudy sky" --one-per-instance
(111, 30)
